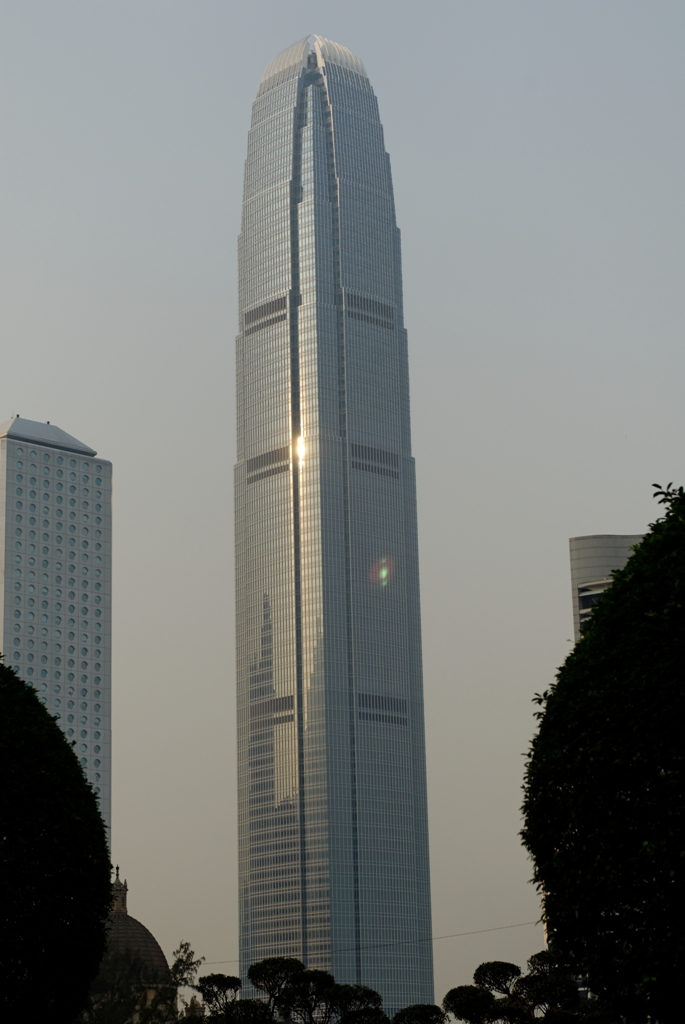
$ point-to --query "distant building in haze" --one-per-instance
(55, 569)
(333, 825)
(127, 934)
(593, 559)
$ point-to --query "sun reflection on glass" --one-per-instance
(382, 571)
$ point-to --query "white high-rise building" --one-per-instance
(593, 559)
(55, 599)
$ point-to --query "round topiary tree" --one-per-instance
(605, 785)
(54, 865)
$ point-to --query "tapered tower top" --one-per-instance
(325, 50)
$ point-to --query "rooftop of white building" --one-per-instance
(46, 434)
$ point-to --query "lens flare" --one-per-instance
(382, 571)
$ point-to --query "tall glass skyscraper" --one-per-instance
(332, 787)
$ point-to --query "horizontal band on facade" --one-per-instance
(373, 716)
(261, 726)
(265, 323)
(380, 470)
(379, 702)
(268, 472)
(266, 309)
(367, 319)
(364, 451)
(381, 309)
(268, 459)
(272, 706)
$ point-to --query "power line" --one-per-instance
(433, 938)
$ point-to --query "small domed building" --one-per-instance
(134, 972)
(126, 933)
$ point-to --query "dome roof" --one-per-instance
(125, 932)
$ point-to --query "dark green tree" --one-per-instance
(161, 999)
(497, 976)
(219, 994)
(470, 1003)
(125, 985)
(309, 998)
(357, 1004)
(248, 1011)
(272, 976)
(218, 991)
(117, 990)
(605, 785)
(420, 1013)
(54, 865)
(304, 997)
(501, 995)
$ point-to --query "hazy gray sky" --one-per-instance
(538, 159)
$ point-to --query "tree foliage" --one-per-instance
(272, 975)
(420, 1013)
(218, 991)
(117, 989)
(604, 791)
(54, 865)
(502, 995)
(304, 996)
(220, 1001)
(160, 1003)
(125, 986)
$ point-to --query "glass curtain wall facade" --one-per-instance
(332, 791)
